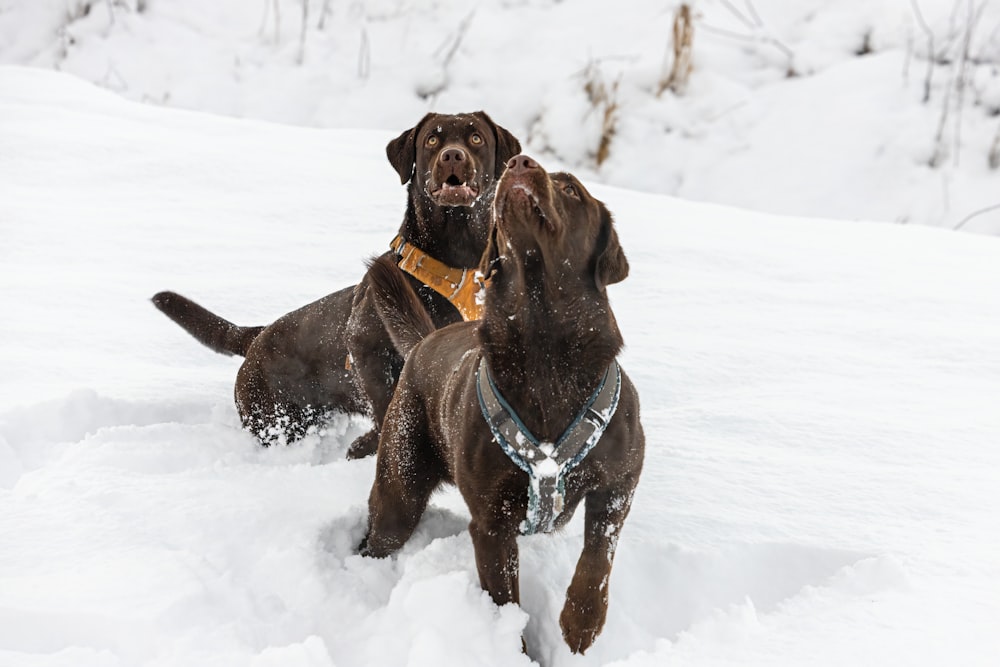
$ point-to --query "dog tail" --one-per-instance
(398, 305)
(208, 328)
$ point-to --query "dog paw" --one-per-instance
(364, 445)
(372, 546)
(581, 621)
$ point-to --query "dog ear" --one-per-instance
(402, 152)
(489, 263)
(507, 145)
(612, 266)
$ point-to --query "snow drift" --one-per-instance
(819, 401)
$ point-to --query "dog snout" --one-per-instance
(453, 156)
(521, 163)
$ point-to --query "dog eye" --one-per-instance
(476, 139)
(570, 189)
(432, 141)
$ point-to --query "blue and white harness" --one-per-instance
(547, 464)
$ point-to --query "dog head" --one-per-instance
(552, 218)
(452, 159)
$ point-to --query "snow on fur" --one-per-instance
(819, 401)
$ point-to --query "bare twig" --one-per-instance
(364, 55)
(446, 51)
(753, 25)
(326, 11)
(456, 42)
(930, 48)
(981, 58)
(113, 80)
(994, 156)
(953, 21)
(753, 13)
(756, 23)
(972, 20)
(954, 91)
(908, 58)
(765, 39)
(263, 19)
(939, 150)
(303, 32)
(758, 31)
(277, 20)
(976, 214)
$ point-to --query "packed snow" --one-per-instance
(857, 109)
(819, 400)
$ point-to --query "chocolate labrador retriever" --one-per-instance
(335, 354)
(527, 410)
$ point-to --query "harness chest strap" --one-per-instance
(547, 464)
(462, 287)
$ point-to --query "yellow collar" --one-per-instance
(462, 287)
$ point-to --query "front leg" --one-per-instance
(495, 544)
(406, 473)
(586, 608)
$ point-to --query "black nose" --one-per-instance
(453, 155)
(521, 163)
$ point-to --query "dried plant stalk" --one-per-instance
(681, 66)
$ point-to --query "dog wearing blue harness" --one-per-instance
(527, 411)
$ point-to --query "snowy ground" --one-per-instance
(819, 400)
(847, 135)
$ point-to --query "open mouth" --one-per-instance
(455, 192)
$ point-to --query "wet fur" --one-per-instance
(294, 373)
(548, 335)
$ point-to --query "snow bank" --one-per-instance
(818, 398)
(805, 108)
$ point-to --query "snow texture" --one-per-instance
(858, 109)
(819, 400)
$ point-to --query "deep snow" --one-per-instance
(847, 135)
(819, 400)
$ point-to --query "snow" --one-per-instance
(809, 108)
(819, 401)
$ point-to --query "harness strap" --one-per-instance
(547, 464)
(462, 287)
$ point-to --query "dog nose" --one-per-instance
(521, 163)
(453, 155)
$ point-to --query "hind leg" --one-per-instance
(376, 373)
(376, 366)
(272, 420)
(406, 472)
(275, 424)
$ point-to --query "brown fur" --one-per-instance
(548, 336)
(294, 374)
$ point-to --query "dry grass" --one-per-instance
(683, 39)
(603, 99)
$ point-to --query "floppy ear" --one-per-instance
(402, 152)
(489, 262)
(507, 145)
(612, 266)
